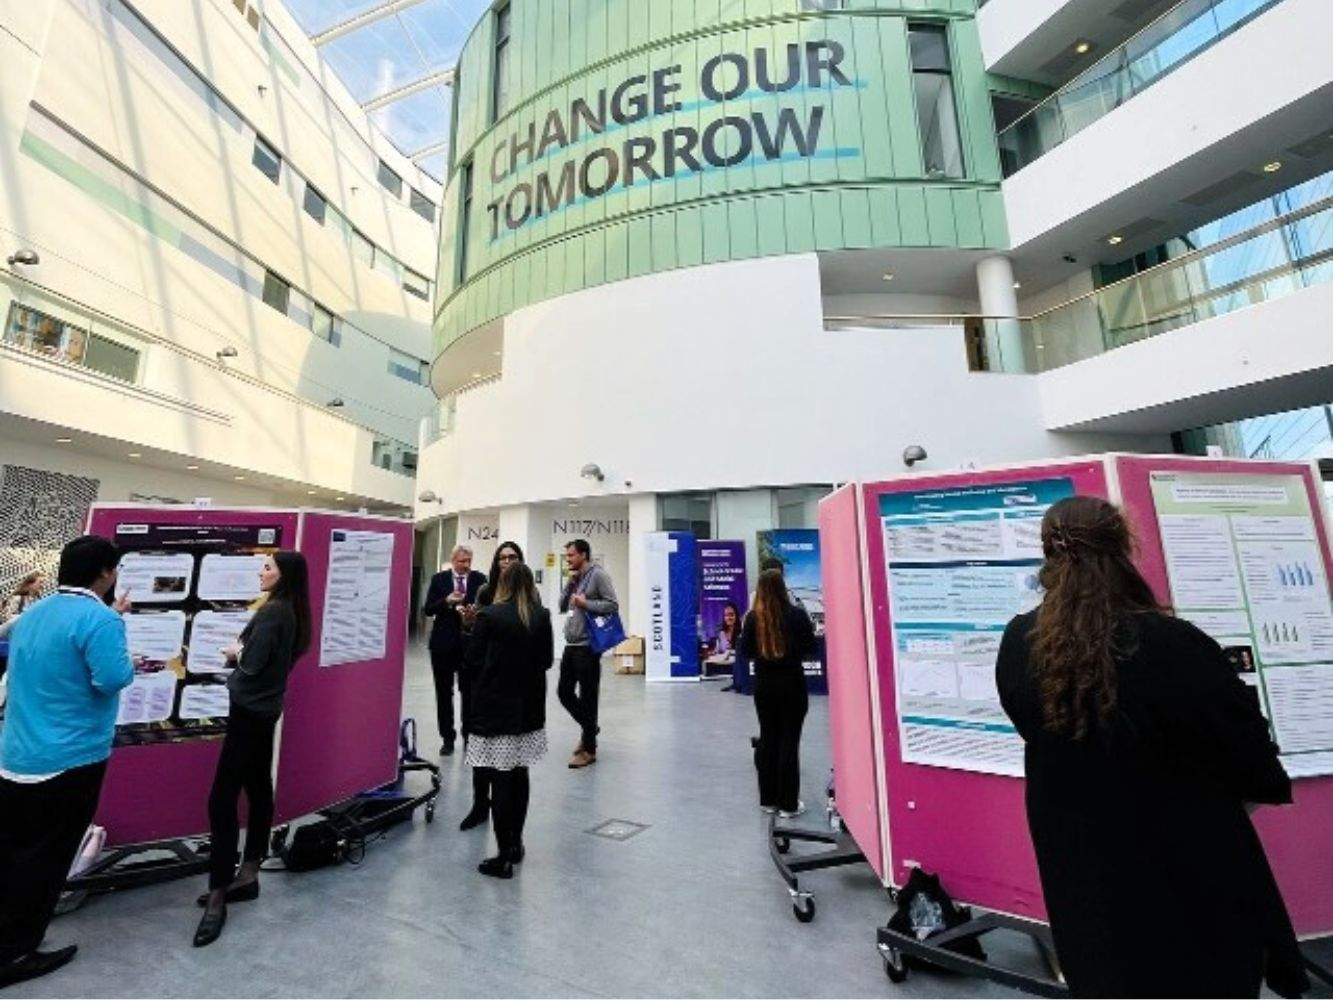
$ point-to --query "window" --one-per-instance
(937, 118)
(54, 338)
(406, 367)
(315, 204)
(422, 205)
(277, 293)
(324, 325)
(390, 181)
(500, 68)
(691, 512)
(267, 159)
(415, 284)
(464, 220)
(362, 249)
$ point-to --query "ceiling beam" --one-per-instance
(361, 20)
(431, 150)
(444, 77)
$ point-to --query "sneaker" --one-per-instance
(582, 759)
(768, 809)
(792, 813)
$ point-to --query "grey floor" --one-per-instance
(689, 907)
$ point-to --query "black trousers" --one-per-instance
(446, 664)
(580, 681)
(509, 806)
(483, 778)
(780, 701)
(246, 763)
(41, 827)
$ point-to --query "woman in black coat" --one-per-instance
(512, 648)
(1143, 748)
(269, 646)
(778, 637)
(507, 553)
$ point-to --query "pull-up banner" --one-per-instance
(672, 642)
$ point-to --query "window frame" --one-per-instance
(393, 182)
(502, 31)
(275, 280)
(940, 29)
(310, 190)
(270, 151)
(416, 200)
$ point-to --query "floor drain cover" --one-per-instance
(618, 829)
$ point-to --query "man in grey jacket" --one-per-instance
(587, 592)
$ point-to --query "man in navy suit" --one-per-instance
(452, 592)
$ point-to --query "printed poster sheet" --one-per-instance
(356, 598)
(192, 587)
(961, 562)
(1244, 564)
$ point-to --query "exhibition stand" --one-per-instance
(922, 574)
(192, 573)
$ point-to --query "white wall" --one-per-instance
(1005, 24)
(1271, 63)
(1262, 359)
(724, 378)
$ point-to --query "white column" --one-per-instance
(999, 304)
(642, 520)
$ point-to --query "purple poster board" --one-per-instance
(157, 791)
(340, 726)
(723, 588)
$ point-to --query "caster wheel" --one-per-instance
(804, 909)
(782, 844)
(430, 812)
(894, 967)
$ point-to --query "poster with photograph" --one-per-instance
(798, 549)
(724, 597)
(193, 589)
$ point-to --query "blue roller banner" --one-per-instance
(798, 548)
(672, 642)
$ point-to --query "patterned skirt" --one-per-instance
(504, 753)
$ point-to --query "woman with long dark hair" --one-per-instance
(270, 644)
(1143, 747)
(778, 637)
(512, 648)
(507, 554)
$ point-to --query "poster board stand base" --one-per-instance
(842, 850)
(895, 947)
(1321, 968)
(137, 865)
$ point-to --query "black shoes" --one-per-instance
(479, 814)
(243, 893)
(447, 748)
(210, 927)
(35, 964)
(515, 854)
(497, 867)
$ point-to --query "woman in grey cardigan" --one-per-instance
(275, 638)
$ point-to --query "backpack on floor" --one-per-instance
(925, 909)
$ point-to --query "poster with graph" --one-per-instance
(1244, 564)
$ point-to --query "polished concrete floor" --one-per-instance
(690, 906)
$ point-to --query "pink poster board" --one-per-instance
(967, 827)
(1296, 838)
(851, 723)
(340, 726)
(160, 791)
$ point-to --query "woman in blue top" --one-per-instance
(275, 638)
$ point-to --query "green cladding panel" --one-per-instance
(642, 137)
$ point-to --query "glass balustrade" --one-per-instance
(1177, 36)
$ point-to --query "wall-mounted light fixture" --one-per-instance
(912, 454)
(592, 471)
(27, 258)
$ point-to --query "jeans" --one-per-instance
(580, 679)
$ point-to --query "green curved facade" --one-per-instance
(644, 135)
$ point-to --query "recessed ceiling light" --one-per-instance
(1272, 168)
(309, 493)
(1082, 46)
(193, 468)
(238, 478)
(340, 499)
(64, 440)
(1018, 284)
(476, 374)
(1113, 240)
(888, 275)
(135, 454)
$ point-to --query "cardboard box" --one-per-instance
(628, 656)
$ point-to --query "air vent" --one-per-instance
(1231, 185)
(1315, 146)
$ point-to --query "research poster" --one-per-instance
(193, 589)
(356, 597)
(798, 548)
(961, 562)
(1244, 564)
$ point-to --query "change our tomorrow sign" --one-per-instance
(728, 140)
